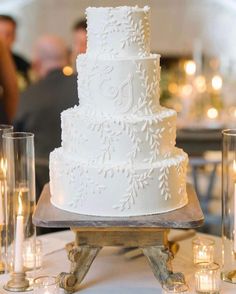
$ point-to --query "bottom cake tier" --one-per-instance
(112, 190)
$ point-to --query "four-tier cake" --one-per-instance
(118, 154)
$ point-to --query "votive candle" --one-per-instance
(46, 285)
(203, 250)
(207, 278)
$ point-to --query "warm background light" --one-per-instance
(67, 70)
(212, 113)
(216, 82)
(186, 90)
(190, 67)
(200, 84)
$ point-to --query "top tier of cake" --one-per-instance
(118, 32)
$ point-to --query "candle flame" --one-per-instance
(20, 204)
(3, 166)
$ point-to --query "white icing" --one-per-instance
(118, 32)
(118, 155)
(119, 190)
(118, 138)
(119, 86)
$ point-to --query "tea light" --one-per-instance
(207, 278)
(32, 254)
(203, 250)
(46, 285)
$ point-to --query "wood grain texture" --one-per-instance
(46, 215)
(122, 238)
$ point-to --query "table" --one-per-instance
(197, 141)
(112, 273)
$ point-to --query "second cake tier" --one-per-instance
(118, 139)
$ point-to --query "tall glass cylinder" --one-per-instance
(229, 206)
(19, 153)
(3, 170)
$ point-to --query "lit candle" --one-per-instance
(207, 278)
(32, 254)
(19, 237)
(234, 170)
(203, 250)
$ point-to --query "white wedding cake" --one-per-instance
(118, 154)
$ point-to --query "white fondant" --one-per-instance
(118, 156)
(119, 86)
(118, 190)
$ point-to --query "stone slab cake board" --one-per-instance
(189, 216)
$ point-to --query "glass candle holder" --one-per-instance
(19, 153)
(207, 278)
(3, 187)
(229, 206)
(203, 250)
(32, 254)
(46, 285)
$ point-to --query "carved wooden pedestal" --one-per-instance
(92, 233)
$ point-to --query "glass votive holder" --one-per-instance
(203, 250)
(32, 254)
(46, 285)
(207, 278)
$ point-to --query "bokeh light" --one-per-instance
(212, 113)
(190, 67)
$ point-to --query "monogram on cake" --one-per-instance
(118, 154)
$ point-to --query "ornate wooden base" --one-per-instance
(149, 233)
(87, 245)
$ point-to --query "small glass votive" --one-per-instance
(207, 278)
(203, 250)
(32, 254)
(46, 285)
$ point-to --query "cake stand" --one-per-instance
(149, 233)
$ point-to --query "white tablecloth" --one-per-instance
(112, 273)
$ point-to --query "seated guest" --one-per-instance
(79, 39)
(8, 87)
(8, 28)
(42, 102)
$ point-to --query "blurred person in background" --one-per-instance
(8, 86)
(79, 45)
(42, 102)
(8, 27)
